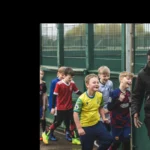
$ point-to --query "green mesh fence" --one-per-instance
(74, 45)
(107, 46)
(49, 44)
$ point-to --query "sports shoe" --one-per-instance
(52, 137)
(68, 137)
(45, 138)
(96, 143)
(76, 141)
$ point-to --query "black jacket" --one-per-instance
(141, 91)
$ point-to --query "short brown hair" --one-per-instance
(61, 69)
(103, 70)
(89, 76)
(69, 71)
(125, 74)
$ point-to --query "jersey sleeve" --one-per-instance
(78, 106)
(52, 87)
(56, 90)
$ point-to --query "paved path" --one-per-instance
(61, 144)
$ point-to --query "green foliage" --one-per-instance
(99, 29)
(76, 31)
(104, 29)
(107, 29)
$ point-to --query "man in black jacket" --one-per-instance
(142, 91)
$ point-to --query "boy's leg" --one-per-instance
(117, 138)
(87, 140)
(43, 123)
(126, 138)
(54, 119)
(74, 133)
(58, 121)
(103, 135)
(67, 119)
(52, 137)
(108, 127)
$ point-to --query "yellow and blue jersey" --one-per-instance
(88, 108)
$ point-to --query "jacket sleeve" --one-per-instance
(137, 95)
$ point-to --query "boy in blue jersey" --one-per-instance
(87, 111)
(60, 76)
(120, 116)
(105, 87)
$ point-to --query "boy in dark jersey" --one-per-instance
(43, 105)
(119, 104)
(63, 91)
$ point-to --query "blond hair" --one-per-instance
(103, 70)
(125, 74)
(88, 77)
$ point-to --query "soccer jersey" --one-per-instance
(120, 116)
(52, 87)
(64, 94)
(88, 108)
(106, 89)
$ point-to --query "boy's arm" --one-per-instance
(77, 111)
(55, 93)
(76, 90)
(102, 112)
(79, 93)
(54, 101)
(111, 86)
(52, 87)
(113, 101)
(76, 120)
(101, 109)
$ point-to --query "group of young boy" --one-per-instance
(100, 115)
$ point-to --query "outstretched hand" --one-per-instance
(137, 122)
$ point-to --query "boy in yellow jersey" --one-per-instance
(87, 112)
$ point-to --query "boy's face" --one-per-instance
(60, 75)
(68, 78)
(126, 81)
(41, 74)
(93, 84)
(104, 77)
